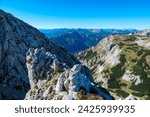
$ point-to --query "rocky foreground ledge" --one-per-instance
(51, 79)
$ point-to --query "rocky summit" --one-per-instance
(32, 67)
(121, 64)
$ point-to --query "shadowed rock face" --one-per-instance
(16, 37)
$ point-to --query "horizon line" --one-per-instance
(92, 28)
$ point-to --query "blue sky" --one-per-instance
(81, 13)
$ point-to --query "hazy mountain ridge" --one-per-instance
(75, 40)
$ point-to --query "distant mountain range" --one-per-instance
(75, 40)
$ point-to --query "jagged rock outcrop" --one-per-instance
(51, 79)
(121, 64)
(16, 37)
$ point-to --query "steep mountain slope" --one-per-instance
(75, 40)
(121, 64)
(29, 63)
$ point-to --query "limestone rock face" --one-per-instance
(128, 76)
(16, 37)
(52, 79)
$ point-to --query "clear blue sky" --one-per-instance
(81, 13)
